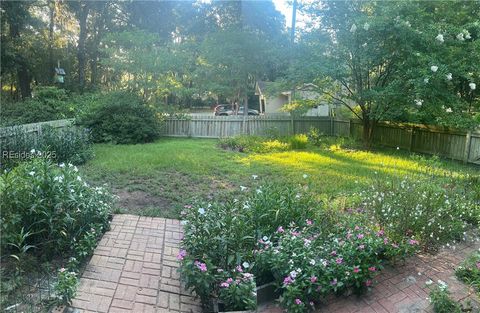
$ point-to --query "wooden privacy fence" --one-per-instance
(34, 129)
(226, 126)
(453, 144)
(457, 145)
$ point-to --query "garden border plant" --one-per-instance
(267, 234)
(50, 213)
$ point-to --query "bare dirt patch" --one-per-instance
(134, 200)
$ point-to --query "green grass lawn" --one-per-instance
(157, 179)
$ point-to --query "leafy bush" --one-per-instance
(312, 262)
(68, 145)
(121, 118)
(275, 229)
(323, 141)
(66, 286)
(469, 271)
(435, 211)
(298, 141)
(442, 303)
(220, 238)
(49, 208)
(47, 104)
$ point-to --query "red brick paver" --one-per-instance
(134, 269)
(403, 289)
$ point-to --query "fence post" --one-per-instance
(410, 140)
(466, 152)
(292, 122)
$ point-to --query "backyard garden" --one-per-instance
(122, 190)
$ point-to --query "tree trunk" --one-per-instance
(82, 37)
(24, 79)
(51, 61)
(368, 128)
(245, 106)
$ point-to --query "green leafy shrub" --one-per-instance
(323, 141)
(53, 205)
(436, 211)
(47, 104)
(68, 145)
(220, 238)
(121, 118)
(66, 285)
(298, 141)
(312, 262)
(469, 271)
(253, 144)
(260, 234)
(442, 303)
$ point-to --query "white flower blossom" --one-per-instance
(243, 188)
(366, 26)
(305, 175)
(201, 211)
(448, 110)
(312, 262)
(32, 151)
(31, 173)
(408, 24)
(434, 68)
(62, 165)
(468, 36)
(353, 28)
(418, 102)
(245, 265)
(449, 76)
(460, 37)
(254, 176)
(440, 38)
(425, 80)
(472, 86)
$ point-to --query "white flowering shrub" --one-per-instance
(436, 211)
(50, 207)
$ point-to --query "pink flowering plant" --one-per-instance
(224, 236)
(237, 291)
(310, 262)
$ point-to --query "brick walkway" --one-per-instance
(134, 269)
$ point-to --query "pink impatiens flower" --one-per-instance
(368, 283)
(298, 301)
(360, 236)
(478, 265)
(413, 242)
(356, 269)
(380, 233)
(201, 266)
(309, 222)
(313, 279)
(339, 260)
(334, 282)
(239, 268)
(372, 269)
(229, 280)
(334, 253)
(181, 255)
(224, 285)
(287, 281)
(280, 229)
